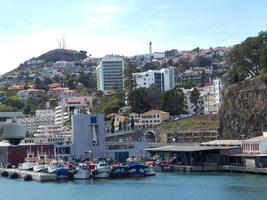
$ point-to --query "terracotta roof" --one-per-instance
(152, 112)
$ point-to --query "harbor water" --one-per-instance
(167, 186)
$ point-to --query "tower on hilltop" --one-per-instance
(150, 48)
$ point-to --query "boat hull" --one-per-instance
(101, 173)
(136, 170)
(150, 171)
(82, 174)
(118, 172)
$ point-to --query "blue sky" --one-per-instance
(31, 27)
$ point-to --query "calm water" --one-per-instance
(164, 186)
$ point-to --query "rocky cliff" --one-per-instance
(244, 109)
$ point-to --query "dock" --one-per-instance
(195, 168)
(36, 176)
(231, 168)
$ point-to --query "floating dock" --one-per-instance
(36, 176)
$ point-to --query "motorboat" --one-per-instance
(82, 171)
(118, 172)
(102, 170)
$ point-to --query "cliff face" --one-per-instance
(244, 109)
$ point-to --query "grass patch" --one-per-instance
(190, 123)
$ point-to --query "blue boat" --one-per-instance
(136, 170)
(62, 172)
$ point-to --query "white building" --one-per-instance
(67, 107)
(188, 104)
(163, 79)
(110, 74)
(218, 86)
(41, 118)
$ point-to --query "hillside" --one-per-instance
(62, 54)
(244, 109)
(194, 123)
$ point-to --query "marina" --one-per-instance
(168, 186)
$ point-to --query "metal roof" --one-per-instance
(222, 143)
(188, 148)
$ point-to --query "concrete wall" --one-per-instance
(83, 136)
(134, 148)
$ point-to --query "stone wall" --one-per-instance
(243, 112)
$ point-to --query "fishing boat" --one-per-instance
(40, 168)
(118, 172)
(102, 170)
(150, 170)
(58, 168)
(135, 170)
(82, 171)
(28, 162)
(26, 166)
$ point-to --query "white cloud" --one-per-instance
(16, 49)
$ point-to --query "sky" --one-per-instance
(29, 28)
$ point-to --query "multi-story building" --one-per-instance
(67, 107)
(149, 118)
(163, 79)
(110, 74)
(218, 86)
(88, 136)
(41, 118)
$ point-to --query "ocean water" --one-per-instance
(164, 186)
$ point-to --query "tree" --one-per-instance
(129, 82)
(132, 123)
(248, 57)
(202, 61)
(173, 101)
(194, 97)
(124, 125)
(203, 78)
(120, 127)
(112, 127)
(138, 100)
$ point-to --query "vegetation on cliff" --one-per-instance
(248, 58)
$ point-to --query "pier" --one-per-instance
(244, 169)
(36, 176)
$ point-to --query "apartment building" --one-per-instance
(110, 73)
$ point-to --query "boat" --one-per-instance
(58, 168)
(165, 166)
(28, 162)
(40, 168)
(102, 170)
(118, 172)
(135, 170)
(82, 171)
(26, 166)
(149, 171)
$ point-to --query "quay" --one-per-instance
(231, 168)
(36, 176)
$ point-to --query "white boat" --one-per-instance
(26, 166)
(102, 170)
(150, 171)
(82, 172)
(40, 168)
